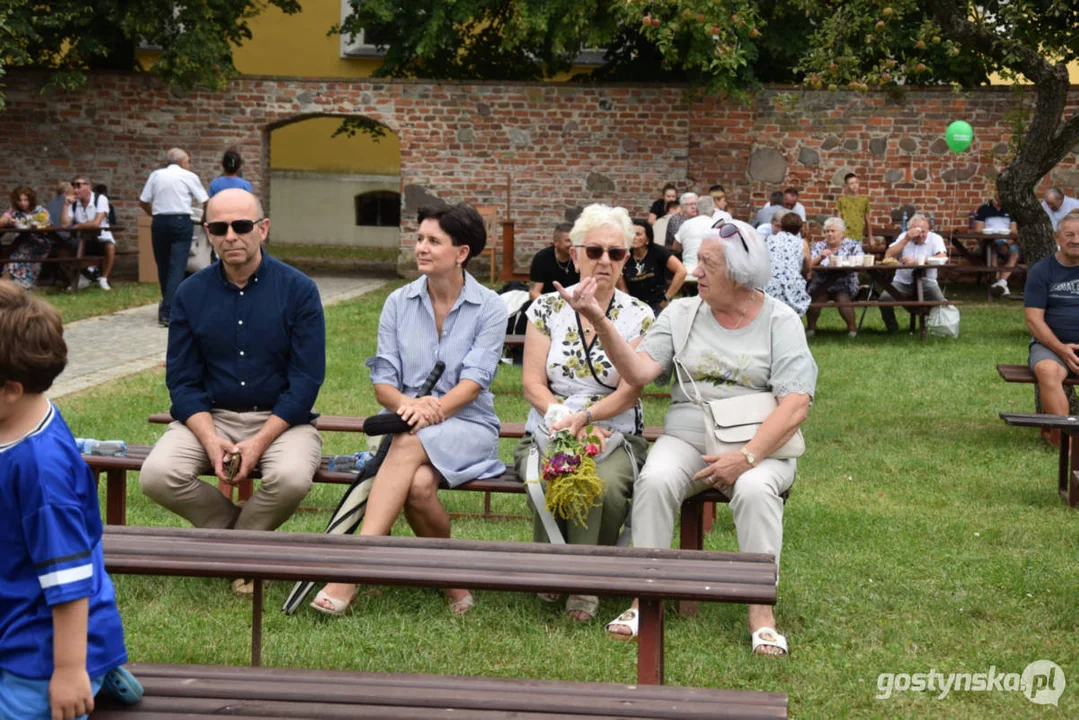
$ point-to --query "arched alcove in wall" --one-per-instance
(316, 178)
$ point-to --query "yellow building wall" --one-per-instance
(308, 145)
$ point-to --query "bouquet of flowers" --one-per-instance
(573, 487)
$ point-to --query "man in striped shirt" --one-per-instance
(60, 632)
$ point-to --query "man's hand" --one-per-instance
(907, 260)
(421, 412)
(723, 470)
(216, 448)
(70, 695)
(1070, 357)
(250, 452)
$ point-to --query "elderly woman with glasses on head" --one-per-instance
(565, 365)
(732, 341)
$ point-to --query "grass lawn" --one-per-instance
(93, 301)
(922, 534)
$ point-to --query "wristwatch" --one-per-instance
(750, 457)
(587, 416)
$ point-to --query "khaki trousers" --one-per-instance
(170, 474)
(667, 480)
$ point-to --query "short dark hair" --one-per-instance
(101, 189)
(24, 190)
(232, 162)
(647, 230)
(32, 347)
(716, 188)
(791, 191)
(847, 177)
(563, 228)
(776, 198)
(462, 223)
(791, 222)
(670, 186)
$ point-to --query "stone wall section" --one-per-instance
(559, 146)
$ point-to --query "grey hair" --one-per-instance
(1054, 192)
(175, 156)
(598, 215)
(836, 221)
(687, 197)
(751, 269)
(706, 205)
(1073, 216)
(920, 218)
(778, 214)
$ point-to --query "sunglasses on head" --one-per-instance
(595, 252)
(729, 230)
(240, 227)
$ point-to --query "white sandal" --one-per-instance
(337, 607)
(768, 637)
(631, 619)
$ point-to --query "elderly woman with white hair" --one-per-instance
(564, 365)
(739, 356)
(841, 287)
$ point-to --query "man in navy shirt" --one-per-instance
(993, 218)
(1052, 312)
(246, 359)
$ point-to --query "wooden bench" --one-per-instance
(1068, 425)
(919, 309)
(1023, 374)
(695, 512)
(194, 691)
(652, 576)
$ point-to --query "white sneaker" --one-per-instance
(103, 283)
(1000, 288)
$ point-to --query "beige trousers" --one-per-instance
(170, 474)
(667, 480)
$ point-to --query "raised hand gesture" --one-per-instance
(583, 299)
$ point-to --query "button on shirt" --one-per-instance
(170, 190)
(262, 346)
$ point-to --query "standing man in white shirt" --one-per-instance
(167, 197)
(87, 210)
(687, 241)
(1056, 204)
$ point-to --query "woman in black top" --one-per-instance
(644, 276)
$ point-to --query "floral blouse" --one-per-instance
(568, 375)
(787, 284)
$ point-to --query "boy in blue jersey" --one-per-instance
(60, 634)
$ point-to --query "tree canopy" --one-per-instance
(69, 38)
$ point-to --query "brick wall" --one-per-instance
(559, 146)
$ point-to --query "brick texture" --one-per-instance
(557, 146)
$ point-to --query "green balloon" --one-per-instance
(959, 135)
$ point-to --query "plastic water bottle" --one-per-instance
(349, 463)
(107, 448)
(932, 221)
(904, 227)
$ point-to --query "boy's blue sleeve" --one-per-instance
(58, 539)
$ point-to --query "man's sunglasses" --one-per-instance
(79, 184)
(729, 230)
(240, 227)
(595, 252)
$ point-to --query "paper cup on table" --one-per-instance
(867, 260)
(919, 260)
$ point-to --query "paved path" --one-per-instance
(105, 348)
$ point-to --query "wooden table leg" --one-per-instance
(115, 496)
(1063, 463)
(256, 624)
(1073, 492)
(691, 537)
(650, 642)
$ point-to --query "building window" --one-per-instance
(380, 208)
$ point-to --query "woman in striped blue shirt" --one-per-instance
(444, 315)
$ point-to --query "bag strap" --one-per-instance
(681, 338)
(539, 500)
(587, 352)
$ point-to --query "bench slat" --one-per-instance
(1023, 374)
(253, 692)
(888, 303)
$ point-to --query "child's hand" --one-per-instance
(70, 695)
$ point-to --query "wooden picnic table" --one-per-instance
(79, 259)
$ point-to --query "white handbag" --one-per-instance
(731, 422)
